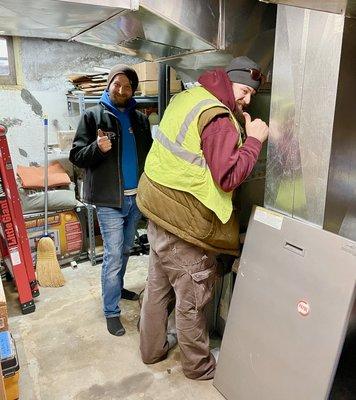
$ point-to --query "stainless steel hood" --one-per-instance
(154, 33)
(189, 35)
(55, 19)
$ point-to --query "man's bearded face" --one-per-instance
(120, 90)
(242, 95)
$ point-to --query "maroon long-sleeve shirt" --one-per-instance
(229, 165)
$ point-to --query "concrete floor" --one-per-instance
(66, 353)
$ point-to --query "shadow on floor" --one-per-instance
(344, 387)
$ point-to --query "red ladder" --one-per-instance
(14, 244)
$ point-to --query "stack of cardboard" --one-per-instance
(92, 84)
(148, 76)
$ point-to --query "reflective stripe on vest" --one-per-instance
(176, 147)
(180, 151)
(190, 117)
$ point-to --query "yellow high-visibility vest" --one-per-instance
(176, 159)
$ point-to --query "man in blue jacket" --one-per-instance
(111, 144)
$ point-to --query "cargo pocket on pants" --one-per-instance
(203, 282)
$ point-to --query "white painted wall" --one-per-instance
(45, 66)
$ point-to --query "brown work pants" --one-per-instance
(186, 273)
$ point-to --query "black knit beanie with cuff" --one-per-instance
(126, 70)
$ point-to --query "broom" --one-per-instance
(47, 267)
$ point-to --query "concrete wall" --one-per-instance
(43, 67)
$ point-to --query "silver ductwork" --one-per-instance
(154, 32)
(247, 27)
(189, 35)
(311, 166)
(56, 19)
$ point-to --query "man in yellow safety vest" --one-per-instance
(196, 161)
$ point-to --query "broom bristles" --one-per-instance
(48, 270)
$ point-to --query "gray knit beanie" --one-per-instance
(126, 70)
(243, 77)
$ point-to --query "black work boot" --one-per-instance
(115, 326)
(129, 295)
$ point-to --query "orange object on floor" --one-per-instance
(12, 386)
(2, 386)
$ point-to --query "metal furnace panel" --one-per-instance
(289, 311)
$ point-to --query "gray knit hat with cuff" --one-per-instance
(243, 77)
(126, 70)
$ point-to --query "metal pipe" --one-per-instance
(168, 85)
(162, 87)
(45, 125)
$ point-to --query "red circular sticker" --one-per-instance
(303, 308)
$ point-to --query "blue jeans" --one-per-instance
(118, 227)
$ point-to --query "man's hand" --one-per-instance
(103, 141)
(256, 128)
